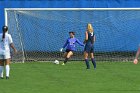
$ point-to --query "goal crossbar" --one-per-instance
(71, 9)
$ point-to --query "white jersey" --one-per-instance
(5, 44)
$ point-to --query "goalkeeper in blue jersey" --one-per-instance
(70, 46)
(89, 46)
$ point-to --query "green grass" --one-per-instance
(109, 77)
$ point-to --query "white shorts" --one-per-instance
(4, 54)
(7, 56)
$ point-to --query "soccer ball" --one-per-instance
(56, 62)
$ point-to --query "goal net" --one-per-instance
(39, 33)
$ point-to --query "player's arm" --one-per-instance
(64, 45)
(80, 43)
(86, 37)
(11, 44)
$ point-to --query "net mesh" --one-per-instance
(39, 34)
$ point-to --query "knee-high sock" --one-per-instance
(87, 63)
(93, 62)
(1, 71)
(65, 61)
(7, 70)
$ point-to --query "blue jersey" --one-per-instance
(70, 43)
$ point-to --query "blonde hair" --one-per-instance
(89, 28)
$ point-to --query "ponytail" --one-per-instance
(4, 29)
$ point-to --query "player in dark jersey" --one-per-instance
(70, 46)
(89, 46)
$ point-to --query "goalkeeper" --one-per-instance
(137, 55)
(70, 46)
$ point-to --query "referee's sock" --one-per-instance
(87, 63)
(93, 62)
(66, 59)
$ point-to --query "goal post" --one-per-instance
(20, 56)
(39, 33)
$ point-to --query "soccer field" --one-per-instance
(109, 77)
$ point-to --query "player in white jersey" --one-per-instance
(5, 43)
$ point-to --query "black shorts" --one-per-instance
(67, 50)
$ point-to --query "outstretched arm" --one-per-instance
(80, 43)
(65, 44)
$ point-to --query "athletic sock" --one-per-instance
(1, 71)
(87, 63)
(7, 70)
(66, 59)
(93, 62)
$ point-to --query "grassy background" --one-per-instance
(109, 77)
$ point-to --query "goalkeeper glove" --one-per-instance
(61, 49)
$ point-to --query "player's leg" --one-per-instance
(7, 67)
(93, 60)
(65, 55)
(69, 54)
(86, 51)
(1, 68)
(92, 57)
(86, 59)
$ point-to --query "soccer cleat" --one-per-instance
(7, 77)
(63, 64)
(87, 68)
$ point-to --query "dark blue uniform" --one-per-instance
(89, 48)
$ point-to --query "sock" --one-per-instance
(93, 62)
(65, 61)
(87, 63)
(7, 70)
(1, 71)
